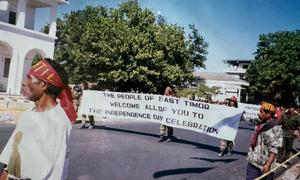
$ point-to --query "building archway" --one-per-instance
(30, 57)
(5, 59)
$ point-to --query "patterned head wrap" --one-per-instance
(44, 71)
(268, 106)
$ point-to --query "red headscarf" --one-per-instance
(44, 71)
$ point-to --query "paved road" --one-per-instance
(128, 150)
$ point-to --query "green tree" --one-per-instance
(36, 59)
(201, 90)
(125, 48)
(275, 73)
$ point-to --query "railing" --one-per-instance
(26, 32)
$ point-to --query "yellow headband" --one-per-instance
(268, 107)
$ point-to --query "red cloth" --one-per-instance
(44, 71)
(255, 134)
(278, 115)
(262, 128)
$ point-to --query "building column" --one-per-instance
(12, 76)
(21, 12)
(53, 16)
(19, 80)
(239, 94)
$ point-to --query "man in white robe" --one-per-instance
(38, 148)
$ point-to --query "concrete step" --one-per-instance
(14, 105)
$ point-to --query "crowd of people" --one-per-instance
(40, 139)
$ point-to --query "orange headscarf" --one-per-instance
(268, 106)
(44, 71)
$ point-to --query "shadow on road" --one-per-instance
(214, 160)
(180, 171)
(247, 128)
(175, 140)
(125, 131)
(206, 146)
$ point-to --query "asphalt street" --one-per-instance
(128, 150)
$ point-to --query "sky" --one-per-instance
(231, 27)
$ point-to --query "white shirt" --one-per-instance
(42, 146)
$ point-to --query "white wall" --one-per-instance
(22, 41)
(227, 89)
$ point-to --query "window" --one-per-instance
(12, 17)
(6, 67)
(245, 66)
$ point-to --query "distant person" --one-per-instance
(77, 93)
(38, 147)
(265, 144)
(279, 111)
(290, 123)
(226, 145)
(91, 120)
(163, 128)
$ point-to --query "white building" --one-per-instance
(20, 43)
(237, 67)
(228, 85)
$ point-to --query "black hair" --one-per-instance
(54, 90)
(77, 88)
(235, 103)
(272, 113)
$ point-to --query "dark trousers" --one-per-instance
(254, 172)
(91, 120)
(285, 150)
(163, 129)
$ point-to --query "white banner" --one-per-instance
(251, 111)
(214, 120)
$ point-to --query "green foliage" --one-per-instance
(45, 29)
(201, 91)
(36, 59)
(275, 73)
(127, 48)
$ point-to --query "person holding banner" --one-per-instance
(225, 144)
(265, 144)
(37, 149)
(91, 120)
(77, 93)
(163, 128)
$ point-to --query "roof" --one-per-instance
(46, 3)
(62, 1)
(212, 76)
